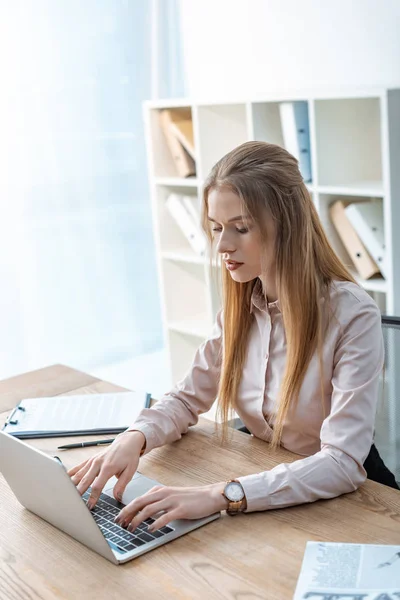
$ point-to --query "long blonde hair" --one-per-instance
(269, 184)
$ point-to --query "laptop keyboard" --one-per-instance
(104, 513)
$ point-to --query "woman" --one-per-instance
(297, 351)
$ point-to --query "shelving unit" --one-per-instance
(355, 152)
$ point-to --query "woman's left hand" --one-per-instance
(174, 503)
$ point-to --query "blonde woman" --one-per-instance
(297, 351)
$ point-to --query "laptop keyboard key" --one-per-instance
(166, 529)
(146, 537)
(157, 533)
(138, 542)
(114, 528)
(130, 547)
(114, 538)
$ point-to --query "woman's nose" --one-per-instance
(224, 244)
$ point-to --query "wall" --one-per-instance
(246, 48)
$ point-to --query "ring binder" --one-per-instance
(10, 420)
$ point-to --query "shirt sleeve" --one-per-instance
(180, 408)
(346, 433)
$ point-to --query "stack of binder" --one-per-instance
(367, 220)
(360, 227)
(178, 130)
(184, 212)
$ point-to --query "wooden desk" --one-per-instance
(245, 557)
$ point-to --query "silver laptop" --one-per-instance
(42, 485)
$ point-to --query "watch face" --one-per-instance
(234, 491)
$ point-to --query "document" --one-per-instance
(334, 571)
(82, 414)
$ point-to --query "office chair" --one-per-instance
(387, 424)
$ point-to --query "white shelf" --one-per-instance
(183, 255)
(191, 182)
(355, 152)
(371, 189)
(195, 326)
(375, 284)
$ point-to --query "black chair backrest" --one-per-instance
(387, 425)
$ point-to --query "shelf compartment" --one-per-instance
(348, 141)
(266, 122)
(221, 128)
(374, 284)
(183, 348)
(185, 291)
(163, 162)
(171, 236)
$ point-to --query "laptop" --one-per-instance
(41, 484)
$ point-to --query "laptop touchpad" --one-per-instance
(138, 486)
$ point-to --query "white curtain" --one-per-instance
(77, 265)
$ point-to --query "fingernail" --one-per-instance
(119, 497)
(90, 505)
(130, 527)
(150, 528)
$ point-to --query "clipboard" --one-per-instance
(83, 414)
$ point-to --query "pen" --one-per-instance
(85, 444)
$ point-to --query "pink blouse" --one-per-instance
(335, 444)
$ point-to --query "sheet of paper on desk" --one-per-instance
(77, 414)
(333, 571)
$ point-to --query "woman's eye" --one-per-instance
(242, 230)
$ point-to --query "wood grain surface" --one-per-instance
(247, 557)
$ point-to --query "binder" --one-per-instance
(189, 203)
(359, 255)
(82, 414)
(184, 162)
(185, 221)
(296, 134)
(367, 220)
(182, 127)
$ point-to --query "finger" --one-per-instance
(123, 479)
(98, 485)
(146, 513)
(77, 468)
(90, 476)
(131, 509)
(81, 473)
(163, 520)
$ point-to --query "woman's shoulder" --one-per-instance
(349, 300)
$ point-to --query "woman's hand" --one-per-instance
(174, 503)
(121, 459)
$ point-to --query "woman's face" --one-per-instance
(237, 237)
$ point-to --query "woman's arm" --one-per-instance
(346, 433)
(180, 408)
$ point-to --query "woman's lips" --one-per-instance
(232, 265)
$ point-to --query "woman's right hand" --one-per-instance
(121, 459)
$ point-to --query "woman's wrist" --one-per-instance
(216, 491)
(139, 438)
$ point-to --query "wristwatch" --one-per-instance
(234, 493)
